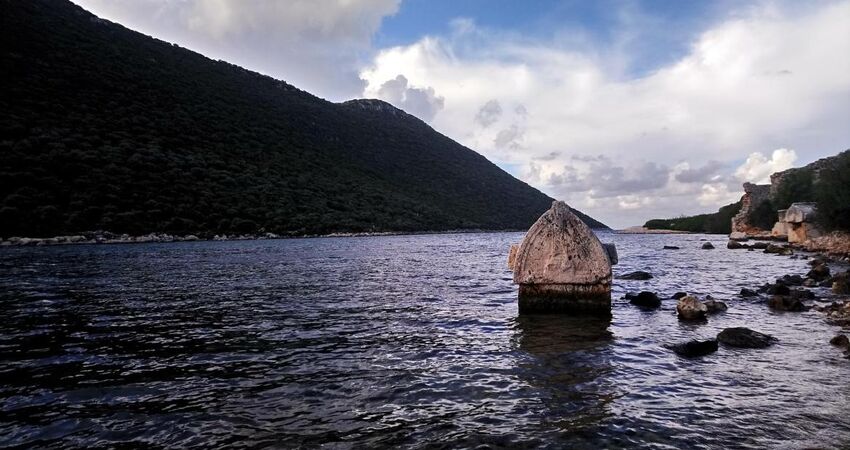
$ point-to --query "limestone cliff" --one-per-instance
(754, 195)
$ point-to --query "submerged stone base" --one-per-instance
(565, 299)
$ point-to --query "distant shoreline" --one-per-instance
(105, 237)
(644, 230)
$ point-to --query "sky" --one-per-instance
(627, 110)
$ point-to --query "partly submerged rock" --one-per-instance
(646, 299)
(671, 247)
(742, 337)
(715, 306)
(819, 272)
(561, 267)
(690, 308)
(693, 349)
(679, 295)
(840, 340)
(786, 303)
(734, 245)
(707, 246)
(748, 293)
(636, 275)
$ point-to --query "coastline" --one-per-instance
(644, 230)
(106, 237)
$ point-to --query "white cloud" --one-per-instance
(759, 80)
(757, 168)
(421, 102)
(316, 45)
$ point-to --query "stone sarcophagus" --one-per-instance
(562, 267)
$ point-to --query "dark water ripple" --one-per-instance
(409, 341)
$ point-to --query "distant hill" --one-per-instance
(105, 128)
(719, 222)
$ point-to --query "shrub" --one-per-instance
(763, 215)
(832, 194)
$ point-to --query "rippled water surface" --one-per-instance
(410, 341)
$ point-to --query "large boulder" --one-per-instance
(693, 349)
(744, 338)
(690, 308)
(562, 267)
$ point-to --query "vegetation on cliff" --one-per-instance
(825, 182)
(719, 222)
(105, 128)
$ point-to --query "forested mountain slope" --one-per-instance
(105, 128)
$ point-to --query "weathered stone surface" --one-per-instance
(780, 228)
(693, 349)
(562, 267)
(690, 308)
(802, 232)
(512, 256)
(800, 212)
(744, 338)
(560, 249)
(754, 195)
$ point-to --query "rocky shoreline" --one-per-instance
(824, 288)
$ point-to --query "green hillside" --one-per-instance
(105, 128)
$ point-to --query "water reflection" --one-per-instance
(568, 360)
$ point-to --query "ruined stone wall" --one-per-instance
(754, 194)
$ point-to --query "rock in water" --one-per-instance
(715, 306)
(819, 273)
(748, 293)
(707, 246)
(744, 338)
(693, 349)
(690, 308)
(636, 275)
(671, 247)
(840, 340)
(646, 299)
(786, 303)
(734, 245)
(679, 295)
(561, 267)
